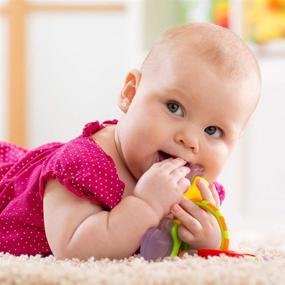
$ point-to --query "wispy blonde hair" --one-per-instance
(214, 44)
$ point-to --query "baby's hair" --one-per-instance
(216, 45)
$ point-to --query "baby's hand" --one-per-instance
(163, 185)
(199, 228)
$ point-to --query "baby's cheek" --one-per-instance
(212, 174)
(214, 160)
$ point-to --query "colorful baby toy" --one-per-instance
(164, 241)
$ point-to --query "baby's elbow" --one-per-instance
(65, 254)
(71, 252)
(60, 256)
(62, 250)
(83, 255)
(60, 253)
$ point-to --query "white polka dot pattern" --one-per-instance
(80, 165)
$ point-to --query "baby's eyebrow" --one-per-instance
(176, 91)
(185, 99)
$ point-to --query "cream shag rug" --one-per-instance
(268, 268)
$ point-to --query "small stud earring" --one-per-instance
(124, 104)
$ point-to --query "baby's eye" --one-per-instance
(175, 108)
(214, 131)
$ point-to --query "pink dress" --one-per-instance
(80, 165)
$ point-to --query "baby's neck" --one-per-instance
(105, 138)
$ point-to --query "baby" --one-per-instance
(98, 194)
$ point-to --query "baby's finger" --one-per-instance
(183, 184)
(186, 219)
(194, 210)
(180, 172)
(185, 234)
(215, 195)
(171, 164)
(205, 191)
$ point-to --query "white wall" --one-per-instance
(76, 67)
(76, 64)
(267, 147)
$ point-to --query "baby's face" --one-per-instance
(190, 113)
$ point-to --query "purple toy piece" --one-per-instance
(157, 242)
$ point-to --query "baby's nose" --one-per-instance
(193, 145)
(190, 142)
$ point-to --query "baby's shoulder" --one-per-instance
(81, 153)
(93, 145)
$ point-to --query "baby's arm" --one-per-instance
(76, 227)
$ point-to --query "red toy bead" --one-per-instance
(206, 252)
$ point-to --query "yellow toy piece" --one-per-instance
(264, 20)
(193, 192)
(219, 13)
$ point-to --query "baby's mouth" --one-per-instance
(196, 169)
(163, 155)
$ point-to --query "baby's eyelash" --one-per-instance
(175, 108)
(214, 131)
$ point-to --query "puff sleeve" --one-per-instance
(84, 169)
(221, 191)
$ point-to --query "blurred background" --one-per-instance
(63, 64)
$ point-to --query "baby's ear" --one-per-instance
(129, 89)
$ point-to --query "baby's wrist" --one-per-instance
(158, 215)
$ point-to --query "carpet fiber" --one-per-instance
(268, 268)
